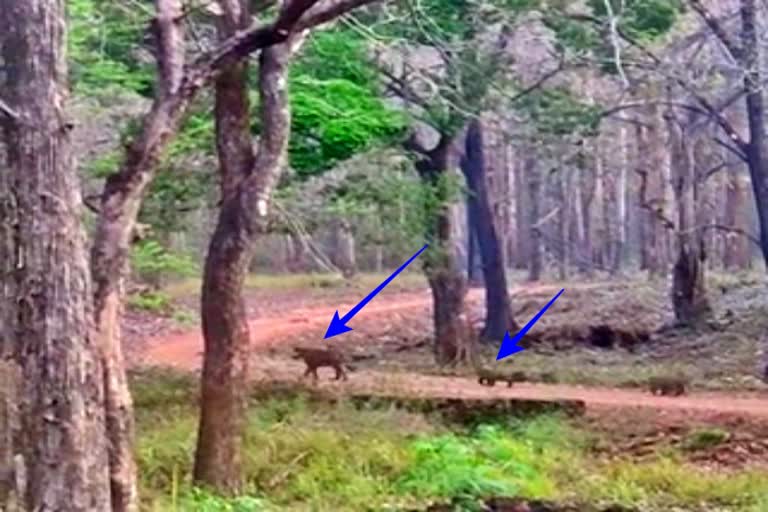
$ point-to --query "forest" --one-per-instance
(192, 192)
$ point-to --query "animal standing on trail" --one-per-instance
(668, 386)
(316, 358)
(488, 377)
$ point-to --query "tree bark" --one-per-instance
(177, 87)
(498, 306)
(533, 180)
(746, 52)
(444, 273)
(344, 244)
(247, 184)
(522, 215)
(688, 292)
(757, 148)
(53, 421)
(474, 258)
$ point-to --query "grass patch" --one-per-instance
(309, 281)
(154, 302)
(705, 438)
(303, 454)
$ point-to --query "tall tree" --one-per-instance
(248, 180)
(178, 84)
(469, 66)
(498, 307)
(52, 436)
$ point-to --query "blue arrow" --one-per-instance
(509, 345)
(338, 325)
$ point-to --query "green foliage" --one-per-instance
(641, 19)
(103, 39)
(150, 261)
(334, 119)
(705, 438)
(303, 454)
(337, 54)
(151, 301)
(556, 112)
(337, 110)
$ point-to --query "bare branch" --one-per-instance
(738, 151)
(729, 229)
(649, 205)
(541, 81)
(733, 48)
(713, 111)
(613, 24)
(8, 111)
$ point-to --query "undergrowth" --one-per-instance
(303, 454)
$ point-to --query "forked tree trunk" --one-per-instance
(52, 420)
(247, 184)
(498, 306)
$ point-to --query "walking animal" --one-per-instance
(668, 386)
(316, 358)
(488, 377)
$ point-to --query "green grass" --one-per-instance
(305, 281)
(305, 455)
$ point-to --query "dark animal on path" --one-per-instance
(667, 386)
(487, 377)
(316, 358)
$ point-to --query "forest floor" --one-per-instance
(389, 342)
(703, 450)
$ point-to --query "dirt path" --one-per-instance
(183, 350)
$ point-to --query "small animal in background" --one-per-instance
(316, 358)
(487, 377)
(668, 386)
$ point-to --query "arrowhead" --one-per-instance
(509, 345)
(336, 327)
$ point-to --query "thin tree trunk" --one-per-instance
(344, 248)
(621, 202)
(533, 180)
(53, 420)
(523, 220)
(474, 259)
(498, 309)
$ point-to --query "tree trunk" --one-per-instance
(498, 309)
(756, 150)
(563, 219)
(533, 180)
(621, 203)
(523, 221)
(52, 419)
(474, 258)
(247, 184)
(445, 275)
(344, 243)
(736, 246)
(689, 298)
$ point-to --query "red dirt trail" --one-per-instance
(183, 350)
